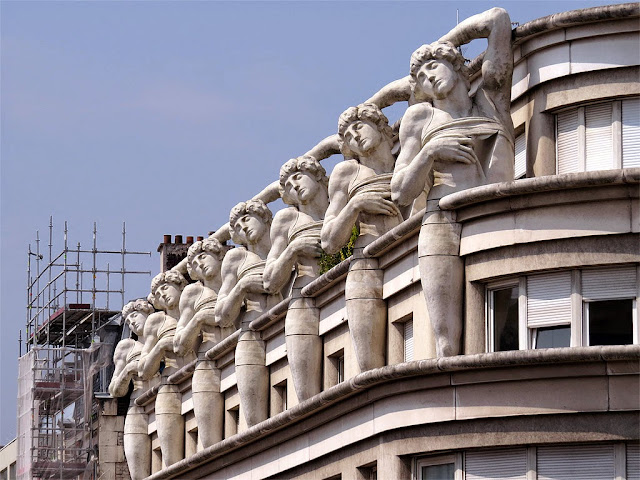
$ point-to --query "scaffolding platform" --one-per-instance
(72, 300)
(77, 320)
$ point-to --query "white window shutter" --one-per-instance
(408, 340)
(586, 462)
(609, 283)
(567, 141)
(505, 464)
(599, 135)
(521, 156)
(633, 461)
(549, 299)
(631, 133)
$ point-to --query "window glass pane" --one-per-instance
(553, 337)
(438, 472)
(505, 319)
(611, 322)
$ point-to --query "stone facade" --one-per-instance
(487, 328)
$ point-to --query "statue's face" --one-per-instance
(362, 136)
(136, 322)
(167, 296)
(437, 77)
(301, 187)
(205, 265)
(250, 228)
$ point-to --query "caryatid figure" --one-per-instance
(159, 331)
(137, 443)
(243, 298)
(295, 243)
(197, 331)
(464, 140)
(360, 194)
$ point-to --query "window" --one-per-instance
(445, 467)
(592, 306)
(503, 311)
(232, 421)
(408, 340)
(279, 401)
(520, 169)
(368, 472)
(335, 368)
(599, 136)
(548, 462)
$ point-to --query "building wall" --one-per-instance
(540, 408)
(8, 457)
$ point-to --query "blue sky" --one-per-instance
(166, 114)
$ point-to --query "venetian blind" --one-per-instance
(586, 462)
(505, 464)
(609, 283)
(633, 461)
(521, 156)
(599, 137)
(549, 299)
(631, 133)
(567, 141)
(408, 340)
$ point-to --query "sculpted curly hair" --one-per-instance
(170, 276)
(301, 164)
(435, 51)
(364, 111)
(210, 245)
(256, 207)
(139, 305)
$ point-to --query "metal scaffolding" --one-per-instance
(70, 300)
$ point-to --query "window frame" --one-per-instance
(579, 308)
(454, 458)
(617, 127)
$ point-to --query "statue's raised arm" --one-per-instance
(497, 63)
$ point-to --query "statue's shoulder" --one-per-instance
(233, 258)
(344, 171)
(124, 346)
(192, 290)
(286, 215)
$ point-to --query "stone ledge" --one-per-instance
(542, 184)
(376, 377)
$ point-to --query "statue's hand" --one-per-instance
(251, 284)
(306, 246)
(452, 149)
(375, 203)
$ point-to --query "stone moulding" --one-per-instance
(540, 184)
(575, 17)
(326, 280)
(271, 316)
(395, 235)
(371, 378)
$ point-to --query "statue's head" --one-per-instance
(435, 69)
(301, 180)
(166, 288)
(135, 313)
(249, 221)
(204, 259)
(362, 129)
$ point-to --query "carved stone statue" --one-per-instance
(197, 331)
(137, 443)
(360, 194)
(465, 139)
(242, 299)
(295, 244)
(159, 331)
